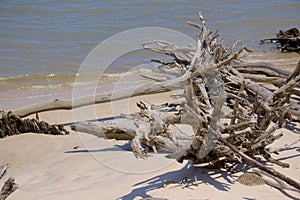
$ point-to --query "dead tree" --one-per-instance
(233, 115)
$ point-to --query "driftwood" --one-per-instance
(3, 170)
(232, 115)
(107, 129)
(9, 187)
(288, 40)
(68, 104)
(11, 124)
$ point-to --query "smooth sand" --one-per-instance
(48, 167)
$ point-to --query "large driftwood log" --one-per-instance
(233, 117)
(119, 129)
(68, 104)
(124, 128)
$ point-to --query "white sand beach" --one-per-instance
(63, 167)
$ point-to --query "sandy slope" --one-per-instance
(48, 167)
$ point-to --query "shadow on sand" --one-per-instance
(185, 178)
(125, 147)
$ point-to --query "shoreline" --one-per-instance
(55, 86)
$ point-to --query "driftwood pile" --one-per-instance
(10, 124)
(234, 108)
(288, 41)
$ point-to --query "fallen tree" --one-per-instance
(234, 117)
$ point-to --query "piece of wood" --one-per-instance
(3, 170)
(68, 104)
(9, 187)
(262, 65)
(277, 81)
(119, 129)
(133, 127)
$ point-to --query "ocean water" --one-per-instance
(43, 43)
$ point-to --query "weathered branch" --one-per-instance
(3, 170)
(8, 188)
(262, 65)
(68, 104)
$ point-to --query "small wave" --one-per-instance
(4, 78)
(50, 75)
(27, 77)
(128, 73)
(118, 75)
(46, 86)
